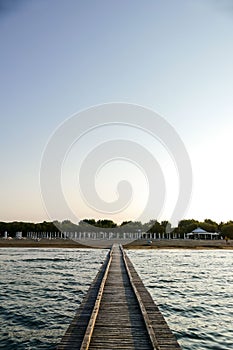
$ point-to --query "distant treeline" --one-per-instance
(153, 226)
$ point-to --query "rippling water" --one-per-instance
(194, 291)
(40, 290)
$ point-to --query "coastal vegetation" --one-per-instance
(153, 226)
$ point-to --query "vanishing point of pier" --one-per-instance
(118, 312)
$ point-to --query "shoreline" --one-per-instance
(43, 243)
(181, 244)
(139, 244)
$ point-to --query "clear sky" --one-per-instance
(59, 57)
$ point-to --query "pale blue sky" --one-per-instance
(59, 57)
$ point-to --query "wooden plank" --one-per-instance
(119, 324)
(75, 333)
(165, 339)
(118, 312)
(90, 327)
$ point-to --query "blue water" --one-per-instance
(40, 290)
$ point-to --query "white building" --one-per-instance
(199, 233)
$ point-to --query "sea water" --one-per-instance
(41, 289)
(194, 291)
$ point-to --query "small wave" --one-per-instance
(40, 294)
(29, 321)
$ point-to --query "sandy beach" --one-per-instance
(43, 243)
(180, 244)
(139, 244)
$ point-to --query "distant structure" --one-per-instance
(18, 235)
(5, 235)
(199, 233)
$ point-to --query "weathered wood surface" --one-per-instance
(118, 312)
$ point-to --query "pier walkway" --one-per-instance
(118, 312)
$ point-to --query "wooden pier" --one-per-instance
(118, 312)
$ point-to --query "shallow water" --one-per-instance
(40, 290)
(194, 291)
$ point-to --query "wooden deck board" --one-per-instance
(125, 315)
(119, 322)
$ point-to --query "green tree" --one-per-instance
(211, 222)
(106, 223)
(88, 221)
(209, 227)
(227, 230)
(125, 223)
(156, 228)
(186, 226)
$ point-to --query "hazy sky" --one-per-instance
(59, 57)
